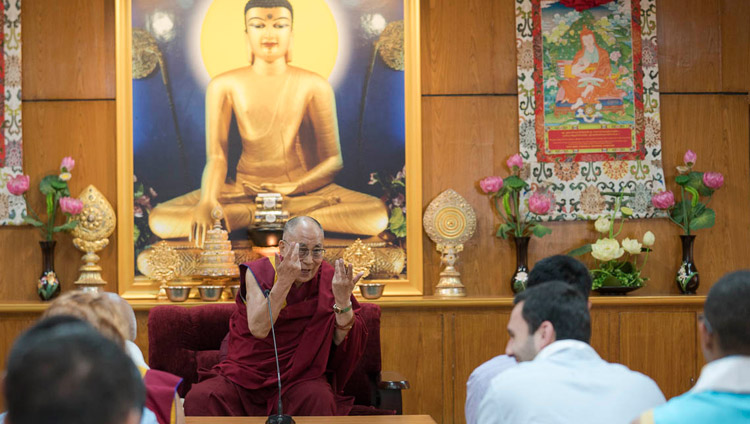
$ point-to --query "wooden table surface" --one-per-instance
(372, 419)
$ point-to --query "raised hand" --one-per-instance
(288, 267)
(343, 282)
(202, 221)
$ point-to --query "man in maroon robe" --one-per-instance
(319, 334)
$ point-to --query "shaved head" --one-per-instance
(306, 221)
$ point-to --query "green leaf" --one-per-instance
(397, 223)
(678, 212)
(705, 219)
(514, 182)
(136, 234)
(32, 221)
(626, 211)
(682, 179)
(586, 248)
(58, 184)
(695, 196)
(540, 230)
(46, 185)
(503, 230)
(65, 227)
(506, 204)
(696, 182)
(138, 190)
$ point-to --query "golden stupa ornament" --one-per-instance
(217, 261)
(96, 223)
(450, 221)
(360, 256)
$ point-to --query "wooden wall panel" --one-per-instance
(480, 336)
(735, 45)
(468, 46)
(68, 49)
(84, 130)
(412, 344)
(11, 325)
(689, 37)
(468, 138)
(662, 346)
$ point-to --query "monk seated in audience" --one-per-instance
(561, 378)
(722, 393)
(553, 268)
(320, 336)
(163, 405)
(62, 371)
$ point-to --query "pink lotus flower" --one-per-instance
(18, 185)
(713, 180)
(539, 203)
(70, 205)
(491, 184)
(515, 162)
(663, 200)
(67, 164)
(690, 158)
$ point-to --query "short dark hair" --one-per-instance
(560, 304)
(63, 371)
(561, 268)
(727, 311)
(269, 3)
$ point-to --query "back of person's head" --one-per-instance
(63, 371)
(127, 315)
(561, 268)
(560, 304)
(95, 308)
(727, 311)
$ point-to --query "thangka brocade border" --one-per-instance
(576, 181)
(12, 208)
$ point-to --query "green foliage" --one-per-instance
(540, 230)
(617, 274)
(586, 248)
(705, 219)
(397, 223)
(514, 182)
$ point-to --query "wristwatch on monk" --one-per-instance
(339, 310)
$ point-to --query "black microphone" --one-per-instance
(280, 418)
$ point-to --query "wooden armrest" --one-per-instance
(392, 380)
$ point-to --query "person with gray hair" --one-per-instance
(319, 332)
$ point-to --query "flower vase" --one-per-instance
(48, 285)
(687, 278)
(521, 276)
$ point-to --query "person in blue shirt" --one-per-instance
(722, 393)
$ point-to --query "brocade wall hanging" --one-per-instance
(12, 208)
(588, 96)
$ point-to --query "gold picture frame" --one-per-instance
(131, 287)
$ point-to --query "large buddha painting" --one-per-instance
(235, 98)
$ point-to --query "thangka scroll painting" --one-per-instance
(12, 208)
(588, 96)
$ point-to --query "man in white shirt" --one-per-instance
(560, 377)
(552, 268)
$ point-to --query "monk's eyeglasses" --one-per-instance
(317, 253)
(702, 318)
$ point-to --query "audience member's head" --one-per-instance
(63, 371)
(561, 268)
(725, 327)
(95, 308)
(544, 314)
(127, 315)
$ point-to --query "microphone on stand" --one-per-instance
(280, 418)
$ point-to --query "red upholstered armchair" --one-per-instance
(183, 340)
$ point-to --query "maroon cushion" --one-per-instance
(183, 340)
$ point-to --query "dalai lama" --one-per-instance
(319, 334)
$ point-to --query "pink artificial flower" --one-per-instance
(373, 179)
(137, 211)
(491, 184)
(539, 203)
(67, 164)
(690, 158)
(514, 162)
(70, 205)
(18, 185)
(663, 200)
(713, 180)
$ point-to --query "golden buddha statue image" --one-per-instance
(287, 122)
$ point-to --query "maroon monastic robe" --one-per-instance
(307, 355)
